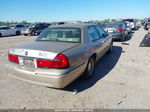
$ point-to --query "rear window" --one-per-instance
(130, 20)
(19, 26)
(60, 35)
(113, 25)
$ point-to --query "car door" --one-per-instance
(106, 40)
(11, 31)
(37, 28)
(97, 41)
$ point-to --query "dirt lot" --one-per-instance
(121, 80)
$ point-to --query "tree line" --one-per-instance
(2, 23)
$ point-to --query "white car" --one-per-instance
(132, 23)
(7, 31)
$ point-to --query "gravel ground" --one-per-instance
(121, 81)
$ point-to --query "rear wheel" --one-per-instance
(89, 69)
(111, 48)
(25, 34)
(17, 32)
(33, 33)
(122, 38)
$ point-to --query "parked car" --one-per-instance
(101, 24)
(139, 23)
(34, 29)
(7, 31)
(132, 23)
(60, 23)
(19, 27)
(117, 30)
(59, 55)
(128, 26)
(148, 26)
(145, 26)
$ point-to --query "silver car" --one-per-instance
(59, 55)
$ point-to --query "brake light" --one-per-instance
(43, 63)
(120, 30)
(13, 58)
(60, 61)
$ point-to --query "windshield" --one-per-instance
(60, 35)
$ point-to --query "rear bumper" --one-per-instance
(26, 32)
(51, 78)
(117, 36)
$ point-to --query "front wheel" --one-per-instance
(32, 33)
(89, 69)
(17, 33)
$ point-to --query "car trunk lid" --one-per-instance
(46, 50)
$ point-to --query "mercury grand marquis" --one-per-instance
(59, 55)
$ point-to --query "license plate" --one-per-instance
(29, 62)
(110, 31)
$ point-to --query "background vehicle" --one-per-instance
(7, 31)
(34, 29)
(145, 26)
(139, 23)
(19, 27)
(101, 24)
(60, 23)
(132, 23)
(59, 55)
(128, 26)
(148, 26)
(117, 30)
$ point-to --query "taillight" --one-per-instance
(60, 61)
(13, 58)
(120, 30)
(43, 63)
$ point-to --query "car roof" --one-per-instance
(72, 25)
(3, 26)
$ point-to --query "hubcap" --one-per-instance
(33, 33)
(91, 67)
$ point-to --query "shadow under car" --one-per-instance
(102, 68)
(146, 41)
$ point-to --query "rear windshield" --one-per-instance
(19, 26)
(113, 25)
(60, 35)
(130, 20)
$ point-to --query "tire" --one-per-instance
(33, 33)
(89, 69)
(122, 38)
(110, 49)
(0, 35)
(25, 34)
(17, 32)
